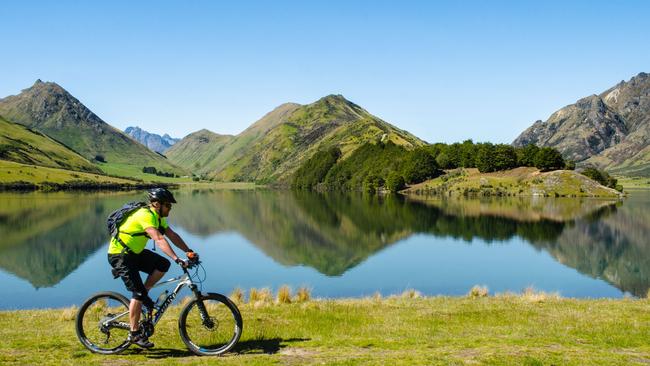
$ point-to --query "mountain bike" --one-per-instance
(209, 324)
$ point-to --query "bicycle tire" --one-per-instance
(91, 315)
(222, 312)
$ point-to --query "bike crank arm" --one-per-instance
(121, 325)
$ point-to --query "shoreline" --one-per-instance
(265, 298)
(83, 186)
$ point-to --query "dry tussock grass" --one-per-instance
(478, 291)
(260, 297)
(265, 295)
(253, 295)
(411, 294)
(531, 295)
(68, 314)
(303, 294)
(284, 295)
(237, 296)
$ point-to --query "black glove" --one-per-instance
(182, 263)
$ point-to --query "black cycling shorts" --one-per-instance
(129, 265)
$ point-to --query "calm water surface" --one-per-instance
(53, 248)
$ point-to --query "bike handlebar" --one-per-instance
(191, 264)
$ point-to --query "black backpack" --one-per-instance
(117, 217)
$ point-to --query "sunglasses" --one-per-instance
(168, 205)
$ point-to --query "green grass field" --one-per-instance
(13, 172)
(132, 171)
(634, 182)
(527, 329)
(203, 185)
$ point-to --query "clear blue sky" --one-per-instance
(445, 71)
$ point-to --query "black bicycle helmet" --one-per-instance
(161, 195)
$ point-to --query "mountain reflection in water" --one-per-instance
(47, 236)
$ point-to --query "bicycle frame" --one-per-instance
(183, 280)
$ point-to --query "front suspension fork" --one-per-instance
(205, 317)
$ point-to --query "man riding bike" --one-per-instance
(127, 255)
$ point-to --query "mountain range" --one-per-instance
(154, 142)
(269, 150)
(610, 130)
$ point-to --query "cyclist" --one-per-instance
(127, 255)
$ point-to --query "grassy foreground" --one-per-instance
(528, 329)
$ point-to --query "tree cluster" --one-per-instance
(602, 177)
(153, 170)
(314, 170)
(488, 157)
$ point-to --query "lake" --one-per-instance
(53, 249)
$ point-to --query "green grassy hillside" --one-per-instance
(22, 145)
(329, 122)
(214, 157)
(198, 150)
(515, 182)
(11, 172)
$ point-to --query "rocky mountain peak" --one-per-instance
(152, 141)
(607, 129)
(40, 86)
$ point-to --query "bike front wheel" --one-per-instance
(210, 325)
(102, 323)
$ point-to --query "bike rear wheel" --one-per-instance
(211, 325)
(102, 323)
